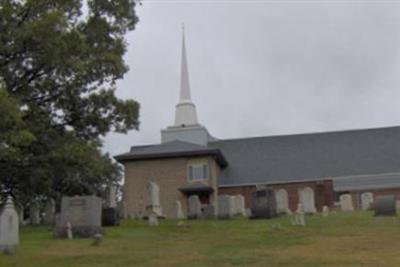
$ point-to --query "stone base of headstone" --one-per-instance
(153, 219)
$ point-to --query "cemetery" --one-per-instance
(340, 239)
(70, 197)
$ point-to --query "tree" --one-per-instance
(59, 63)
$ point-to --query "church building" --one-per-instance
(302, 167)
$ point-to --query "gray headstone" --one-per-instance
(121, 206)
(367, 199)
(20, 211)
(385, 205)
(50, 211)
(346, 202)
(154, 205)
(9, 227)
(248, 212)
(282, 203)
(34, 213)
(263, 204)
(209, 212)
(226, 206)
(194, 207)
(178, 210)
(111, 200)
(306, 198)
(83, 213)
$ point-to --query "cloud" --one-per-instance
(261, 68)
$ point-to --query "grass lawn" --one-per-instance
(342, 239)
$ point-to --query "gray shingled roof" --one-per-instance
(292, 158)
(171, 150)
(313, 156)
(367, 182)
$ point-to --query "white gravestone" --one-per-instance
(239, 205)
(34, 213)
(306, 197)
(346, 202)
(226, 206)
(194, 207)
(299, 218)
(367, 198)
(325, 211)
(50, 211)
(154, 199)
(282, 203)
(9, 227)
(178, 209)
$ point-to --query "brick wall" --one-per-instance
(356, 195)
(323, 192)
(169, 174)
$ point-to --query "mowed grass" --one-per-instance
(342, 239)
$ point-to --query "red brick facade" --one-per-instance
(356, 195)
(323, 192)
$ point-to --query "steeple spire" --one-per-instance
(185, 114)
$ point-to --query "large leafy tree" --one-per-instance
(59, 63)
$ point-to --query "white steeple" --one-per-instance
(185, 113)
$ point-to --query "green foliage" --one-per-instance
(59, 63)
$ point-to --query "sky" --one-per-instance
(260, 68)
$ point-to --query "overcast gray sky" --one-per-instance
(261, 68)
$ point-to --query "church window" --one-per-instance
(198, 172)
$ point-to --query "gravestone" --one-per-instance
(178, 210)
(83, 213)
(248, 212)
(110, 217)
(385, 206)
(346, 202)
(282, 204)
(226, 206)
(153, 219)
(20, 211)
(122, 210)
(299, 218)
(50, 210)
(263, 204)
(111, 200)
(208, 212)
(306, 198)
(397, 204)
(9, 227)
(154, 199)
(325, 211)
(34, 213)
(194, 207)
(240, 205)
(367, 198)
